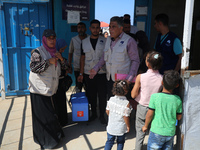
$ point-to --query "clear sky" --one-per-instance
(105, 9)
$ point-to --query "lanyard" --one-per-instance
(163, 38)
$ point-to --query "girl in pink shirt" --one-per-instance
(146, 84)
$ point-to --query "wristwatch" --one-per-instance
(80, 74)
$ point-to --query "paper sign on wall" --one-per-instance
(73, 16)
(82, 6)
(141, 11)
(141, 26)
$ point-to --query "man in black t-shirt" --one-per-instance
(92, 51)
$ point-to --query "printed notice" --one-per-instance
(141, 26)
(73, 17)
(81, 6)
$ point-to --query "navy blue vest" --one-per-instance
(166, 49)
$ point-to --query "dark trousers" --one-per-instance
(96, 87)
(128, 95)
(110, 87)
(79, 85)
(60, 104)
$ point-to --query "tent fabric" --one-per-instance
(191, 113)
(103, 24)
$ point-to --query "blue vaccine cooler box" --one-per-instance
(79, 107)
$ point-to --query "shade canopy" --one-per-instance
(104, 24)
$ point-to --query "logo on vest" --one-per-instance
(122, 42)
(168, 43)
(101, 41)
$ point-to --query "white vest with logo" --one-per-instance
(92, 56)
(77, 52)
(45, 83)
(117, 60)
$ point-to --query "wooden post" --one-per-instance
(187, 31)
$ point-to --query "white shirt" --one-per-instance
(117, 106)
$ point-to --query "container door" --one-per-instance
(24, 25)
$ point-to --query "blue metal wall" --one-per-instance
(144, 18)
(22, 26)
(63, 29)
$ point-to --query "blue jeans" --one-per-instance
(111, 139)
(158, 142)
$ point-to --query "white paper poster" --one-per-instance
(141, 26)
(73, 16)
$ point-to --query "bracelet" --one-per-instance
(80, 74)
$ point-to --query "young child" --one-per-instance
(145, 85)
(118, 110)
(164, 109)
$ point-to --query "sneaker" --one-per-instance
(103, 120)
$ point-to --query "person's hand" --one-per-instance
(92, 73)
(80, 78)
(53, 60)
(144, 129)
(128, 129)
(59, 56)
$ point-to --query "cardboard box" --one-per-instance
(79, 107)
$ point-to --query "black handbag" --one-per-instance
(66, 82)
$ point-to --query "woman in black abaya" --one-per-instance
(45, 70)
